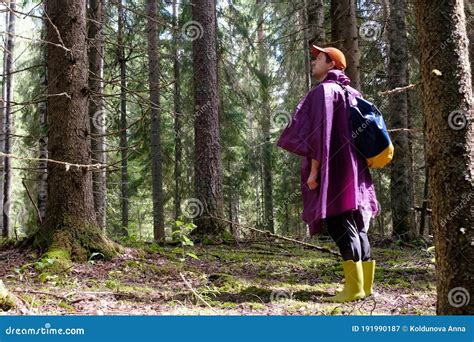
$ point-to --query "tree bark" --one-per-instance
(70, 223)
(447, 106)
(207, 154)
(401, 187)
(469, 11)
(316, 31)
(315, 34)
(303, 18)
(344, 36)
(424, 205)
(42, 178)
(97, 112)
(155, 148)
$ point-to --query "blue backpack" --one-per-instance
(369, 132)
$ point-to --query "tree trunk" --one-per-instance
(285, 226)
(97, 112)
(70, 223)
(303, 18)
(233, 200)
(400, 171)
(207, 162)
(447, 96)
(265, 126)
(469, 10)
(42, 180)
(155, 148)
(3, 232)
(123, 120)
(258, 205)
(235, 212)
(316, 31)
(177, 115)
(7, 229)
(425, 203)
(344, 36)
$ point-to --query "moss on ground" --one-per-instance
(243, 278)
(7, 301)
(54, 261)
(80, 239)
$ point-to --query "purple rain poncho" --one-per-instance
(320, 129)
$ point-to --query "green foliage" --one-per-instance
(181, 235)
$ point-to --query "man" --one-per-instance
(336, 184)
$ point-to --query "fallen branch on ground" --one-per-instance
(196, 294)
(319, 248)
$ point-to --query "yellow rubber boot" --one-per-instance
(354, 285)
(368, 268)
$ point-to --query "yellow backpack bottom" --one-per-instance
(381, 159)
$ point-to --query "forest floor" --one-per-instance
(265, 277)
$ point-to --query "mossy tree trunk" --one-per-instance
(70, 224)
(447, 107)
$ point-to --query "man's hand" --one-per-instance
(312, 180)
(313, 175)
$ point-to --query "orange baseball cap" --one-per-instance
(335, 54)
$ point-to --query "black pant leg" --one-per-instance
(364, 246)
(364, 238)
(343, 230)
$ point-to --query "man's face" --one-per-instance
(320, 66)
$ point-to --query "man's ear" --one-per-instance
(333, 64)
